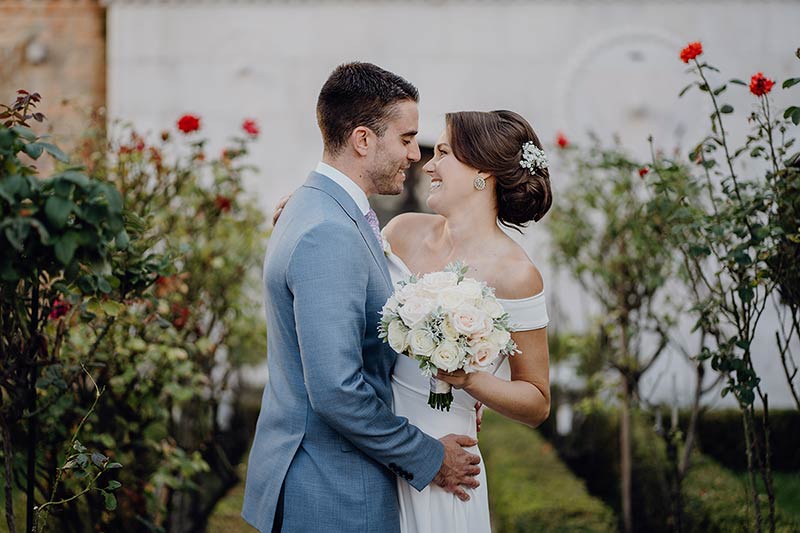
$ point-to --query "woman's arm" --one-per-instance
(526, 398)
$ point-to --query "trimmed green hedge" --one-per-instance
(716, 500)
(720, 435)
(530, 489)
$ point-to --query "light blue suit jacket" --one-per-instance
(326, 431)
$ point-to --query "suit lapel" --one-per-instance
(348, 205)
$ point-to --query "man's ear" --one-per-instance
(361, 138)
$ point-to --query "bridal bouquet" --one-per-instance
(446, 322)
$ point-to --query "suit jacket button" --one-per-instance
(410, 477)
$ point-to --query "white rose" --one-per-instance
(450, 298)
(469, 320)
(483, 354)
(407, 291)
(436, 281)
(499, 338)
(446, 356)
(447, 329)
(420, 342)
(415, 311)
(396, 336)
(391, 305)
(492, 307)
(471, 289)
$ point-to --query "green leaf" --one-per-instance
(720, 90)
(123, 240)
(103, 285)
(55, 151)
(58, 210)
(685, 89)
(746, 294)
(726, 109)
(99, 459)
(78, 178)
(112, 308)
(113, 484)
(790, 82)
(796, 116)
(111, 501)
(87, 284)
(94, 306)
(33, 149)
(65, 247)
(738, 82)
(111, 466)
(15, 185)
(743, 344)
(25, 133)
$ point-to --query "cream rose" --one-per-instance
(415, 310)
(407, 291)
(492, 308)
(471, 289)
(420, 342)
(391, 305)
(450, 298)
(499, 338)
(448, 330)
(469, 320)
(436, 281)
(483, 354)
(446, 356)
(397, 336)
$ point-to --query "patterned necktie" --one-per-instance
(372, 220)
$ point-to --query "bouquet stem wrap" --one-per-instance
(441, 395)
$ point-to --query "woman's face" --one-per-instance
(451, 180)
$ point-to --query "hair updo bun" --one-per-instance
(492, 142)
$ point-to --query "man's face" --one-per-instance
(395, 150)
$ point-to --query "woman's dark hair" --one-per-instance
(492, 142)
(358, 94)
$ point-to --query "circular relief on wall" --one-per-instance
(625, 84)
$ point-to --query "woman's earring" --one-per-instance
(479, 183)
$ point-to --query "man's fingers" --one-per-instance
(471, 482)
(276, 215)
(463, 440)
(460, 493)
(474, 459)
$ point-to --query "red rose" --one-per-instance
(250, 127)
(760, 85)
(180, 315)
(643, 172)
(189, 123)
(691, 51)
(561, 140)
(60, 308)
(223, 203)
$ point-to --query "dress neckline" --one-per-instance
(387, 249)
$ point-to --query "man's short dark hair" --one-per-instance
(358, 94)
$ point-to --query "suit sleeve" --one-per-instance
(327, 275)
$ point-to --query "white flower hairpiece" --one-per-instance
(533, 158)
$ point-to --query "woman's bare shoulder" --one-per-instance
(518, 277)
(406, 228)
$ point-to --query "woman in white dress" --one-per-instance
(484, 171)
(480, 175)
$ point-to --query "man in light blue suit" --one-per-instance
(328, 449)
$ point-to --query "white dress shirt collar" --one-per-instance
(350, 186)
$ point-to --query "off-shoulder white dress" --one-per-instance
(433, 510)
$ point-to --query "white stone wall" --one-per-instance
(573, 66)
